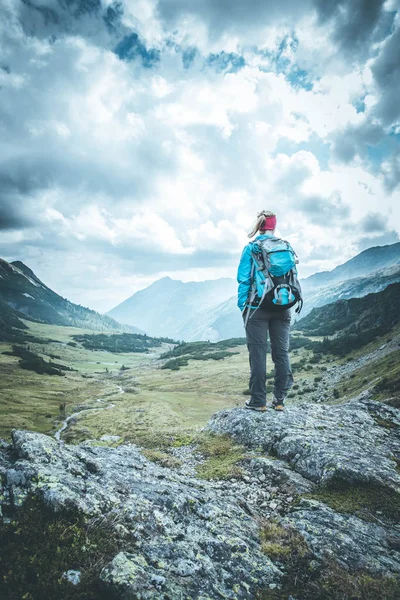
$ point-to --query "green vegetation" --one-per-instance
(12, 329)
(309, 579)
(120, 342)
(355, 315)
(388, 385)
(38, 546)
(331, 582)
(175, 363)
(355, 323)
(181, 354)
(385, 423)
(32, 362)
(347, 342)
(363, 500)
(222, 457)
(376, 374)
(199, 348)
(279, 542)
(299, 341)
(162, 458)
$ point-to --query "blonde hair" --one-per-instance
(260, 221)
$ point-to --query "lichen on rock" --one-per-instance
(190, 537)
(179, 536)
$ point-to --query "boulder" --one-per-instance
(356, 442)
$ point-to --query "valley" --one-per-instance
(162, 407)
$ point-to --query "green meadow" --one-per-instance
(132, 396)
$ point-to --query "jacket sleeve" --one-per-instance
(244, 277)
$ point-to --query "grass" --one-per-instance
(160, 407)
(370, 375)
(152, 419)
(38, 546)
(222, 457)
(162, 458)
(366, 501)
(308, 579)
(279, 542)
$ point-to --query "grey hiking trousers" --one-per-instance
(277, 325)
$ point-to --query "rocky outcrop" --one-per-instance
(182, 537)
(356, 442)
(351, 541)
(192, 539)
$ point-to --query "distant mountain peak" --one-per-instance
(25, 270)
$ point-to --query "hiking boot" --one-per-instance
(248, 404)
(277, 404)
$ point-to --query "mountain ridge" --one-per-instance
(359, 265)
(28, 297)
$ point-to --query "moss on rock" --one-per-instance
(38, 547)
(222, 457)
(367, 502)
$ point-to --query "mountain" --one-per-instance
(168, 307)
(24, 295)
(374, 311)
(375, 281)
(208, 310)
(222, 321)
(368, 261)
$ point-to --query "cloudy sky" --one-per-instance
(139, 138)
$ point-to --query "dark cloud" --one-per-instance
(324, 211)
(389, 237)
(354, 140)
(233, 15)
(14, 211)
(50, 136)
(355, 22)
(358, 140)
(31, 173)
(52, 18)
(373, 222)
(391, 171)
(386, 71)
(10, 217)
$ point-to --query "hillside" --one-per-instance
(374, 311)
(368, 261)
(28, 297)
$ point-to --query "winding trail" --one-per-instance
(65, 424)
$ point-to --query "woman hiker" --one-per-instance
(261, 321)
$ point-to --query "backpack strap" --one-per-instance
(252, 294)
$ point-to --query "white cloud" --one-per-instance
(162, 170)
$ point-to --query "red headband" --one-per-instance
(269, 223)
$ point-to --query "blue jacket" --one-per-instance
(244, 272)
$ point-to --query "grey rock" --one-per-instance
(192, 537)
(323, 443)
(274, 471)
(110, 438)
(72, 576)
(349, 540)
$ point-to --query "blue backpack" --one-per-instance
(276, 285)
